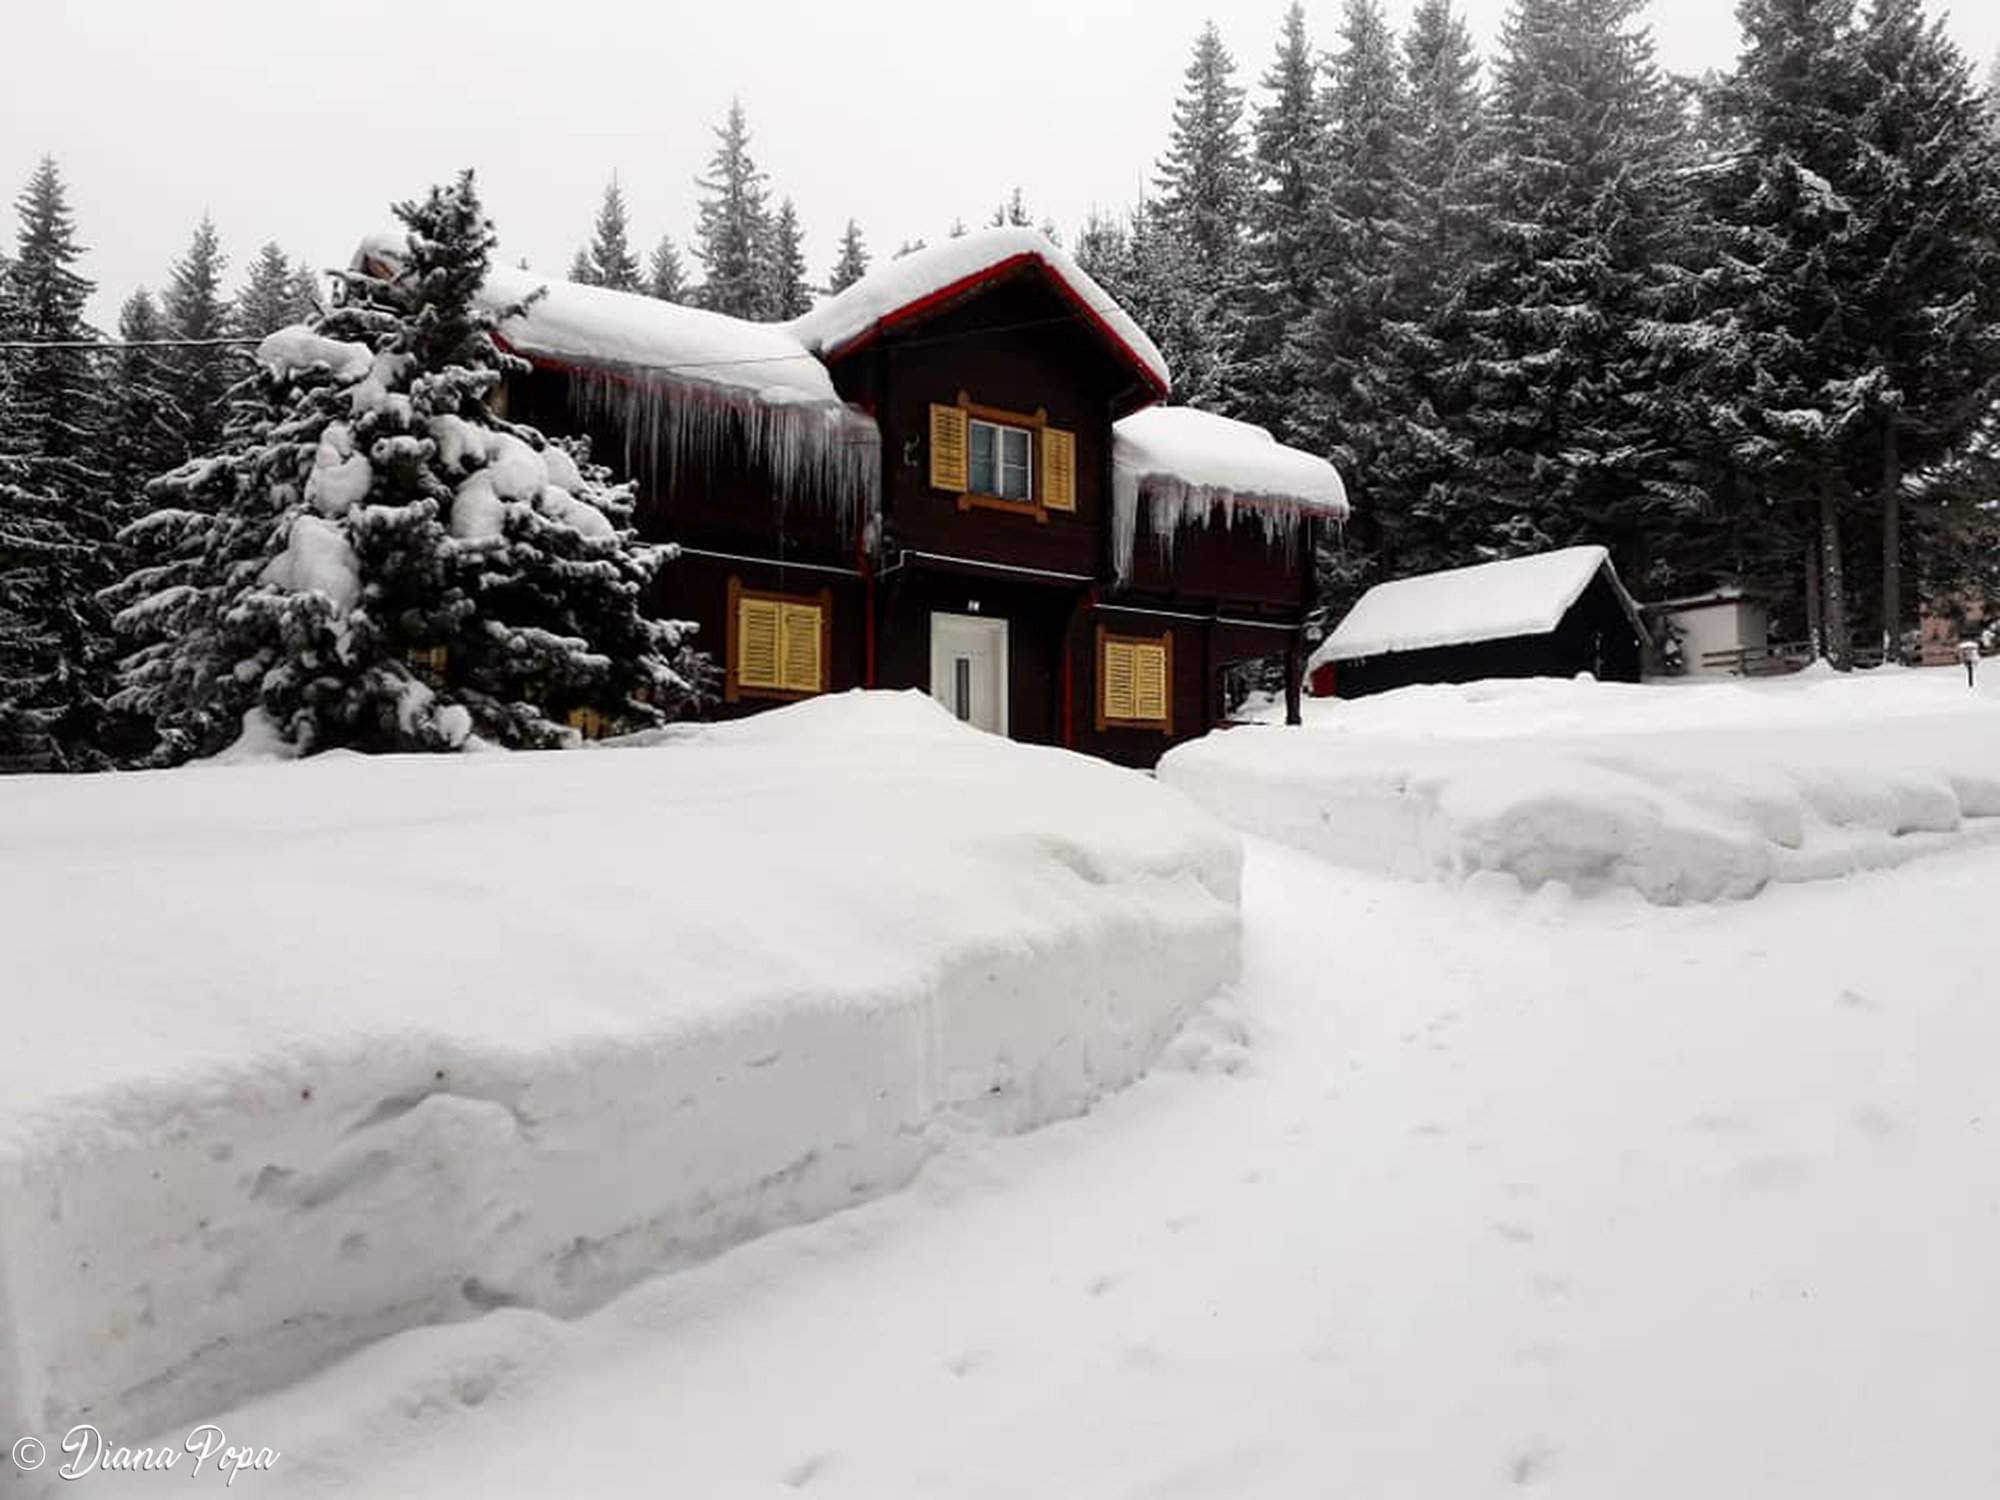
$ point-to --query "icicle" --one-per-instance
(1171, 503)
(812, 452)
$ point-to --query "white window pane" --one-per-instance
(985, 475)
(1014, 463)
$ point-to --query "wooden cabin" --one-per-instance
(955, 476)
(1556, 614)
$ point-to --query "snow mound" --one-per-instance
(1487, 602)
(350, 1045)
(901, 289)
(317, 559)
(297, 350)
(1684, 793)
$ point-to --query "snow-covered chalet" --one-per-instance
(956, 475)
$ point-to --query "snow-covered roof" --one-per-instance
(1233, 461)
(1487, 602)
(602, 329)
(1188, 466)
(909, 287)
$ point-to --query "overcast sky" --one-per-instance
(901, 113)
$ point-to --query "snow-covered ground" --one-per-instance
(1684, 792)
(1465, 1192)
(297, 1056)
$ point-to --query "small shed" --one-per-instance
(1726, 632)
(1551, 615)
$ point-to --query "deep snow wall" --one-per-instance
(429, 1038)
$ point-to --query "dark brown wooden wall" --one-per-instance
(1017, 346)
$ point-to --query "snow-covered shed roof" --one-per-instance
(1186, 465)
(913, 286)
(1487, 602)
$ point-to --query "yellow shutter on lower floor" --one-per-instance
(758, 629)
(1119, 684)
(950, 441)
(1150, 688)
(801, 626)
(1058, 469)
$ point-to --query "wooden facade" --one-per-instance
(1006, 606)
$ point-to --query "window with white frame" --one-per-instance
(1002, 461)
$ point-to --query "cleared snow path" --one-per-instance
(1504, 1195)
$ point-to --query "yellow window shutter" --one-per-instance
(1149, 683)
(1058, 469)
(757, 632)
(801, 632)
(1119, 686)
(950, 438)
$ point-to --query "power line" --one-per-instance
(112, 346)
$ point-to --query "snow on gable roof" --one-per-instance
(682, 384)
(1188, 465)
(905, 289)
(1487, 602)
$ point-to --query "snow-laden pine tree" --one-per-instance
(143, 425)
(787, 294)
(1284, 253)
(1011, 212)
(1587, 250)
(196, 310)
(1204, 179)
(1926, 198)
(1423, 467)
(665, 278)
(376, 560)
(274, 295)
(55, 522)
(1347, 401)
(853, 262)
(1784, 342)
(609, 257)
(733, 236)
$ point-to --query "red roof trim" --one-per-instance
(912, 312)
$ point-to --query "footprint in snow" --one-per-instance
(1771, 1173)
(1519, 1234)
(803, 1473)
(965, 1363)
(1532, 1464)
(1871, 1121)
(1099, 1285)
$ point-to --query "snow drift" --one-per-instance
(301, 1055)
(1683, 793)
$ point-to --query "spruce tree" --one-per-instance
(1422, 471)
(1284, 254)
(612, 261)
(1784, 345)
(378, 561)
(665, 278)
(272, 296)
(1362, 206)
(733, 236)
(1586, 256)
(55, 650)
(1925, 191)
(787, 294)
(143, 428)
(197, 310)
(1204, 179)
(853, 262)
(1011, 212)
(581, 271)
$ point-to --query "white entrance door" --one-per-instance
(969, 668)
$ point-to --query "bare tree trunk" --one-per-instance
(1833, 581)
(1892, 542)
(1815, 617)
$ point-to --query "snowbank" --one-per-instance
(897, 288)
(1188, 466)
(301, 1055)
(1487, 602)
(1684, 793)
